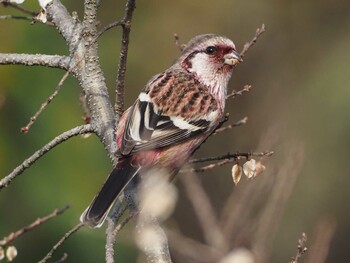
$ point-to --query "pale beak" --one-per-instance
(232, 58)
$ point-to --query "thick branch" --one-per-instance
(68, 26)
(32, 159)
(52, 61)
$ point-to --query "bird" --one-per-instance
(172, 116)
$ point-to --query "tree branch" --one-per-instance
(232, 156)
(126, 24)
(301, 249)
(68, 26)
(230, 126)
(60, 242)
(52, 61)
(10, 238)
(3, 17)
(18, 7)
(32, 159)
(151, 239)
(252, 42)
(111, 233)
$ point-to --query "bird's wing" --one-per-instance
(172, 108)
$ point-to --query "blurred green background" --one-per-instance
(300, 72)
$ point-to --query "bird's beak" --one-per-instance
(232, 58)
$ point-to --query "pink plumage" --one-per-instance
(175, 112)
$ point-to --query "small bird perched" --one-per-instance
(174, 113)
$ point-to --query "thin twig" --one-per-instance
(11, 237)
(26, 128)
(108, 27)
(126, 24)
(15, 17)
(301, 249)
(39, 153)
(18, 7)
(248, 45)
(60, 242)
(62, 259)
(230, 126)
(236, 93)
(111, 234)
(233, 156)
(208, 167)
(177, 42)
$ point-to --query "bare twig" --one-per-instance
(108, 27)
(126, 24)
(60, 242)
(63, 258)
(205, 212)
(10, 238)
(236, 93)
(301, 249)
(18, 7)
(111, 234)
(230, 126)
(32, 159)
(321, 240)
(26, 128)
(252, 42)
(177, 42)
(15, 17)
(52, 61)
(233, 156)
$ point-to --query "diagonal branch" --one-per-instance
(252, 42)
(18, 7)
(32, 159)
(126, 24)
(52, 61)
(3, 17)
(61, 241)
(10, 238)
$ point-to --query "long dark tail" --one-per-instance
(97, 211)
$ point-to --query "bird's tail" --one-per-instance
(97, 211)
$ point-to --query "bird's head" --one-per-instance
(211, 58)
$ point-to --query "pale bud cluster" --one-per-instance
(11, 253)
(239, 255)
(251, 169)
(157, 195)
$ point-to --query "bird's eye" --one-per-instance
(210, 50)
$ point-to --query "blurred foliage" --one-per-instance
(299, 70)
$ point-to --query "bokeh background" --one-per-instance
(300, 73)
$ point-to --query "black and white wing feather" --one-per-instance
(171, 109)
